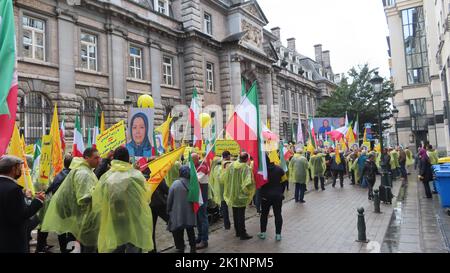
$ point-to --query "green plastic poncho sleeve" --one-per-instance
(434, 157)
(69, 210)
(239, 187)
(216, 184)
(409, 158)
(120, 202)
(317, 165)
(173, 174)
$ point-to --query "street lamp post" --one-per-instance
(377, 84)
(395, 114)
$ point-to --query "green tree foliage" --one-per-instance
(355, 96)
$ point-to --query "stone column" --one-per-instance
(236, 81)
(68, 102)
(155, 63)
(269, 92)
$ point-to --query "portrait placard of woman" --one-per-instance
(139, 141)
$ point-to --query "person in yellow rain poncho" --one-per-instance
(395, 164)
(70, 209)
(409, 157)
(318, 167)
(217, 185)
(298, 174)
(239, 188)
(120, 201)
(434, 160)
(173, 174)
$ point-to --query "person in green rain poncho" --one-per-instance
(70, 208)
(238, 191)
(120, 201)
(395, 164)
(298, 174)
(217, 185)
(173, 174)
(318, 167)
(434, 160)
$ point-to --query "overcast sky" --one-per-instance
(353, 30)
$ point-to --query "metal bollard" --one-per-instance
(376, 201)
(361, 227)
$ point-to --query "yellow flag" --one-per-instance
(338, 155)
(350, 136)
(22, 140)
(378, 148)
(16, 149)
(273, 156)
(161, 166)
(310, 147)
(57, 158)
(164, 129)
(365, 135)
(343, 145)
(102, 123)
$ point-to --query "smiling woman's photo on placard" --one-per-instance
(140, 128)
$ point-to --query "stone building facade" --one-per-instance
(86, 55)
(419, 49)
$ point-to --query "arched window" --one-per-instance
(35, 116)
(89, 106)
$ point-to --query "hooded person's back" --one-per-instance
(317, 165)
(69, 210)
(239, 186)
(298, 169)
(120, 200)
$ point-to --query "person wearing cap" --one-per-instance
(298, 174)
(14, 212)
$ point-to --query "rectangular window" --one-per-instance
(294, 102)
(415, 43)
(418, 111)
(210, 77)
(208, 23)
(283, 100)
(88, 51)
(33, 38)
(167, 70)
(162, 6)
(135, 70)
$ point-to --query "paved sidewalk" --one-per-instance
(419, 224)
(325, 223)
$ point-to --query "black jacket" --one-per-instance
(14, 215)
(274, 188)
(57, 181)
(425, 170)
(104, 166)
(370, 171)
(159, 197)
(340, 166)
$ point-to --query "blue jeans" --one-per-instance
(299, 191)
(202, 216)
(225, 214)
(257, 201)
